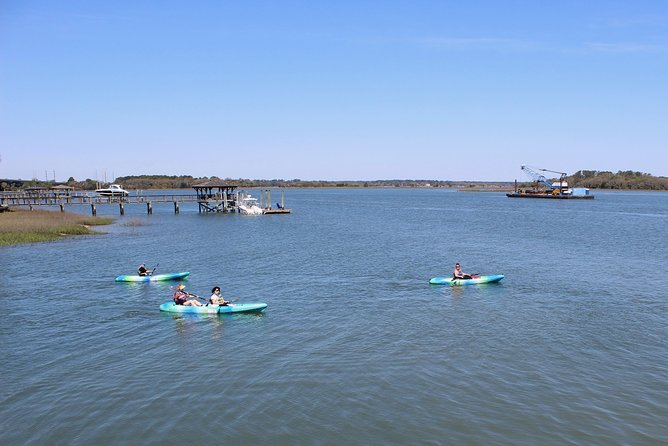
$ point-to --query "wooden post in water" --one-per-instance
(93, 209)
(176, 207)
(149, 208)
(282, 199)
(122, 208)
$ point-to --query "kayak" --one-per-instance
(213, 309)
(480, 279)
(155, 278)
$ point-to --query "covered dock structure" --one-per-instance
(216, 196)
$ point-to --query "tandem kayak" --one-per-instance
(155, 278)
(479, 279)
(213, 309)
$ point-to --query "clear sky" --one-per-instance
(332, 90)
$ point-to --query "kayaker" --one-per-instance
(216, 298)
(143, 271)
(182, 297)
(459, 274)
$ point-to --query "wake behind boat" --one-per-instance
(155, 278)
(475, 280)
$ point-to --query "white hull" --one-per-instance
(113, 191)
(250, 210)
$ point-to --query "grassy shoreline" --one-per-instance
(20, 226)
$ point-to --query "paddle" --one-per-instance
(471, 276)
(227, 302)
(196, 296)
(150, 273)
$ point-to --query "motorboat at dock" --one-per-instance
(114, 190)
(248, 205)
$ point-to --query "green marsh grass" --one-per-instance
(24, 226)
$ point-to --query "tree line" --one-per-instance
(592, 179)
(185, 182)
(628, 179)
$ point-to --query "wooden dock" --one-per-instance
(208, 200)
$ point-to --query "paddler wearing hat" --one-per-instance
(182, 297)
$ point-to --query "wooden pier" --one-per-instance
(210, 197)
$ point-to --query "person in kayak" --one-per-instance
(143, 271)
(182, 297)
(459, 274)
(216, 298)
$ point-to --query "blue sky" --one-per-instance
(345, 90)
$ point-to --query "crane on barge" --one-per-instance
(552, 188)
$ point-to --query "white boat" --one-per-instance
(248, 205)
(114, 190)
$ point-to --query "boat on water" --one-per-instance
(248, 205)
(114, 190)
(562, 195)
(171, 307)
(476, 280)
(153, 278)
(551, 189)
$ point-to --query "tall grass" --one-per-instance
(24, 226)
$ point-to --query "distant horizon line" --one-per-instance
(263, 180)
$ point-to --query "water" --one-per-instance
(355, 346)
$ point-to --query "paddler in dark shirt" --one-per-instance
(143, 271)
(459, 274)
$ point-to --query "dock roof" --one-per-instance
(214, 183)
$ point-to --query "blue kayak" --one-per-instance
(155, 278)
(213, 309)
(479, 279)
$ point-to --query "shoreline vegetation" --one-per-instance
(20, 226)
(592, 179)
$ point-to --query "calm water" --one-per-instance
(355, 346)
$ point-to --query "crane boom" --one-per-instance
(542, 187)
(537, 176)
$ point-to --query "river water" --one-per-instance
(355, 346)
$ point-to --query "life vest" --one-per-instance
(180, 297)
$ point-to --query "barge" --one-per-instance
(544, 188)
